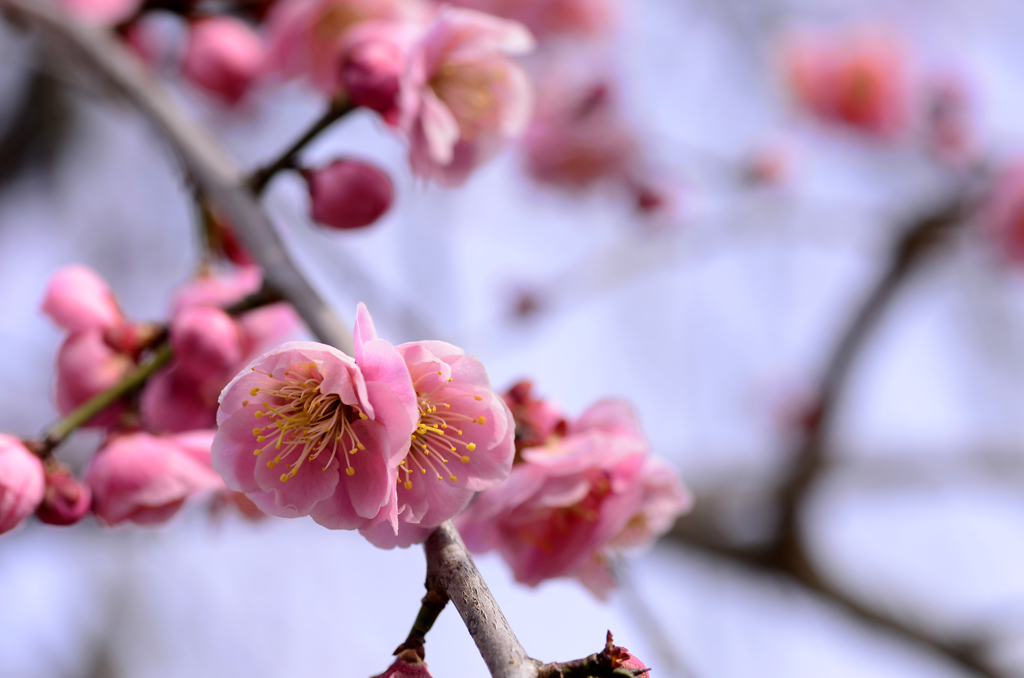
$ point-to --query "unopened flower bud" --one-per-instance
(22, 482)
(407, 665)
(79, 300)
(86, 366)
(224, 57)
(206, 341)
(65, 500)
(371, 71)
(348, 194)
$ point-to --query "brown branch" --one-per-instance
(785, 554)
(215, 174)
(451, 567)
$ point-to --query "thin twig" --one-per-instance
(339, 108)
(213, 171)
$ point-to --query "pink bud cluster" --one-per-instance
(157, 452)
(392, 442)
(583, 491)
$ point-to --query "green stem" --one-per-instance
(340, 107)
(101, 401)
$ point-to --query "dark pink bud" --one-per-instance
(371, 74)
(79, 300)
(66, 499)
(206, 341)
(349, 194)
(408, 665)
(224, 57)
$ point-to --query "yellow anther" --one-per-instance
(271, 464)
(464, 460)
(407, 484)
(257, 452)
(478, 397)
(426, 450)
(260, 439)
(471, 447)
(244, 403)
(351, 471)
(452, 478)
(440, 373)
(482, 419)
(353, 450)
(284, 477)
(360, 446)
(256, 431)
(450, 378)
(447, 406)
(259, 414)
(253, 391)
(363, 416)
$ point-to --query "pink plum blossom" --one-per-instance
(373, 57)
(549, 17)
(79, 300)
(462, 98)
(536, 419)
(103, 12)
(348, 193)
(1002, 213)
(206, 340)
(577, 500)
(87, 366)
(145, 479)
(307, 36)
(408, 664)
(308, 430)
(463, 442)
(856, 79)
(224, 57)
(211, 347)
(22, 482)
(66, 499)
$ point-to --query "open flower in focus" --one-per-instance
(225, 56)
(146, 479)
(305, 430)
(307, 36)
(462, 98)
(577, 500)
(463, 442)
(22, 482)
(859, 80)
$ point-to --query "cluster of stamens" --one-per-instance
(437, 435)
(303, 423)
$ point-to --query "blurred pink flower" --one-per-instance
(145, 479)
(206, 341)
(858, 79)
(66, 499)
(306, 36)
(338, 426)
(79, 300)
(408, 664)
(348, 193)
(549, 17)
(373, 57)
(104, 12)
(22, 482)
(576, 500)
(463, 442)
(949, 123)
(536, 420)
(210, 348)
(224, 57)
(1002, 213)
(461, 97)
(87, 366)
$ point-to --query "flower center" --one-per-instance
(437, 435)
(469, 92)
(303, 422)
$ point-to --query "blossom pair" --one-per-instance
(440, 76)
(393, 441)
(583, 491)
